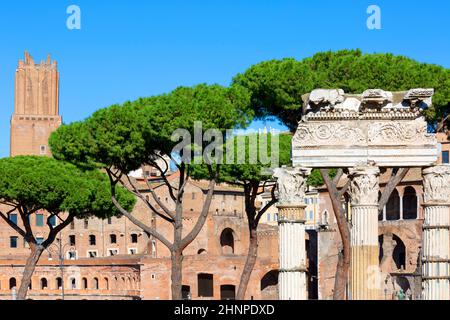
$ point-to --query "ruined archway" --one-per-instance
(269, 286)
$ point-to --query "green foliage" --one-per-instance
(254, 173)
(277, 86)
(126, 136)
(40, 183)
(316, 180)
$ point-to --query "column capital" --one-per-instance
(364, 185)
(291, 185)
(436, 184)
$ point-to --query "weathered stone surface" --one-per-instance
(291, 185)
(337, 135)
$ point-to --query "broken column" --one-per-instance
(364, 264)
(436, 242)
(291, 204)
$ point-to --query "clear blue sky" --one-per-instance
(128, 49)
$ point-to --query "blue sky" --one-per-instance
(128, 49)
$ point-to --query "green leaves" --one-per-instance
(277, 86)
(253, 167)
(40, 183)
(127, 136)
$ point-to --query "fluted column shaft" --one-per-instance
(291, 193)
(292, 276)
(364, 264)
(436, 241)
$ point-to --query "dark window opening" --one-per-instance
(113, 238)
(399, 254)
(12, 283)
(410, 204)
(72, 240)
(58, 283)
(445, 157)
(13, 242)
(393, 207)
(92, 240)
(227, 292)
(44, 284)
(85, 283)
(227, 241)
(134, 238)
(186, 293)
(205, 285)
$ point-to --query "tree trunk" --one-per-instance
(36, 252)
(343, 266)
(249, 264)
(176, 276)
(344, 256)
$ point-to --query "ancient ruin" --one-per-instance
(364, 135)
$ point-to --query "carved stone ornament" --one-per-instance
(412, 132)
(376, 98)
(291, 184)
(364, 185)
(328, 134)
(436, 184)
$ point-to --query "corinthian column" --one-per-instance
(291, 204)
(436, 242)
(364, 265)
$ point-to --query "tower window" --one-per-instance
(92, 240)
(445, 157)
(13, 218)
(13, 242)
(39, 220)
(43, 150)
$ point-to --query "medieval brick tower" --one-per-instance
(36, 109)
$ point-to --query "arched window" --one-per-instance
(12, 283)
(73, 283)
(58, 283)
(410, 204)
(201, 251)
(227, 241)
(85, 283)
(325, 215)
(393, 207)
(134, 238)
(112, 238)
(92, 240)
(96, 285)
(399, 254)
(106, 283)
(44, 283)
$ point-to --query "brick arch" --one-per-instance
(228, 223)
(396, 252)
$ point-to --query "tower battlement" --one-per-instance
(36, 106)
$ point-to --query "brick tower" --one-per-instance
(36, 108)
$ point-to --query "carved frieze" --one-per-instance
(436, 184)
(388, 133)
(315, 134)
